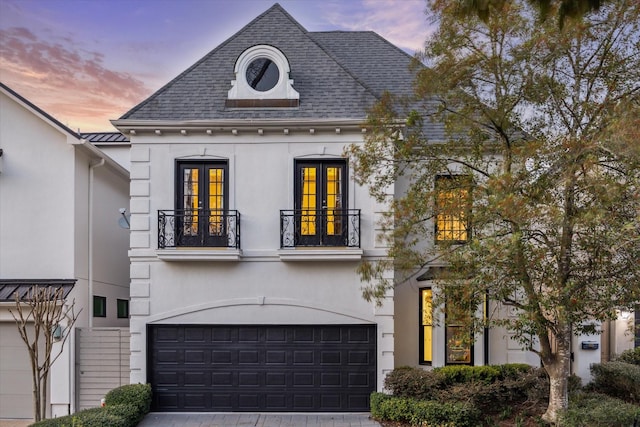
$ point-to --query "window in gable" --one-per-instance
(262, 74)
(262, 80)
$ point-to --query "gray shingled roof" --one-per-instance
(9, 287)
(338, 74)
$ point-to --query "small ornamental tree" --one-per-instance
(542, 211)
(40, 313)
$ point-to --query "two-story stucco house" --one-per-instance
(247, 229)
(59, 209)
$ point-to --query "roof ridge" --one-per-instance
(276, 6)
(41, 111)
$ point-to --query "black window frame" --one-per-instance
(422, 325)
(322, 216)
(122, 304)
(450, 327)
(99, 302)
(466, 183)
(201, 238)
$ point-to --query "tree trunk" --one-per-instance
(557, 366)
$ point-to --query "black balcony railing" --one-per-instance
(198, 228)
(321, 227)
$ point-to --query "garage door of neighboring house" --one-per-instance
(306, 368)
(16, 396)
(102, 363)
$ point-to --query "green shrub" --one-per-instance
(422, 412)
(455, 374)
(597, 410)
(413, 382)
(125, 406)
(132, 394)
(130, 413)
(630, 356)
(495, 396)
(617, 379)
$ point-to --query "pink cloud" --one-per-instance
(66, 81)
(402, 22)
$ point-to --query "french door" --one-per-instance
(202, 204)
(320, 203)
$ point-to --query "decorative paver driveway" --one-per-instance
(156, 419)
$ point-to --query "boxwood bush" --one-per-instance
(414, 382)
(617, 379)
(455, 374)
(138, 395)
(630, 356)
(422, 412)
(598, 410)
(125, 406)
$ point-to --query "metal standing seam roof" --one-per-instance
(338, 74)
(105, 138)
(9, 287)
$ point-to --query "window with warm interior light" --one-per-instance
(426, 326)
(202, 203)
(458, 336)
(452, 208)
(321, 198)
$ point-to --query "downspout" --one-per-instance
(92, 167)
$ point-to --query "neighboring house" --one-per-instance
(247, 230)
(59, 210)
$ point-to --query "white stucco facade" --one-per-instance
(260, 283)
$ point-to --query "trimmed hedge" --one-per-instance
(423, 412)
(455, 374)
(598, 410)
(125, 406)
(617, 379)
(414, 382)
(138, 395)
(630, 356)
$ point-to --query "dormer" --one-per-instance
(262, 80)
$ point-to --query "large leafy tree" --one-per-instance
(545, 124)
(561, 9)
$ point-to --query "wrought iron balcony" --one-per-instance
(198, 228)
(320, 227)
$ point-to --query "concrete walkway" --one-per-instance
(219, 419)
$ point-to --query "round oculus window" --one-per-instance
(262, 74)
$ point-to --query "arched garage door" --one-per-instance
(307, 368)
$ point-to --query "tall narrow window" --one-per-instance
(426, 326)
(202, 204)
(453, 208)
(458, 335)
(320, 203)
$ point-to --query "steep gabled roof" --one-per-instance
(46, 116)
(338, 74)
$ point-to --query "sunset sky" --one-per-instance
(88, 61)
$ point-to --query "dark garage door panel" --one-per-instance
(328, 368)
